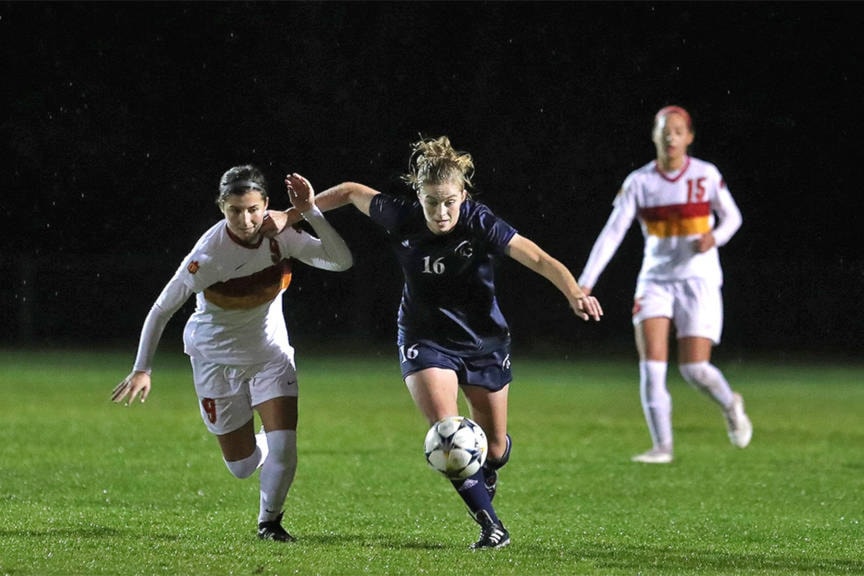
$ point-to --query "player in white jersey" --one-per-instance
(676, 199)
(236, 339)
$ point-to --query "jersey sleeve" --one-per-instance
(498, 232)
(610, 238)
(172, 297)
(389, 212)
(200, 268)
(728, 215)
(328, 252)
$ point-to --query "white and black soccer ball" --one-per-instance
(456, 446)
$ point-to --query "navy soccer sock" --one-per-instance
(473, 492)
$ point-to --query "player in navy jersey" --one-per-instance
(451, 332)
(237, 341)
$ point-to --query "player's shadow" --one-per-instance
(330, 539)
(378, 541)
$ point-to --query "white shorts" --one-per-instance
(695, 306)
(227, 394)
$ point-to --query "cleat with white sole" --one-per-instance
(738, 424)
(654, 456)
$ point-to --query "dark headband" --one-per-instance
(240, 184)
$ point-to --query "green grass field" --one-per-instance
(89, 487)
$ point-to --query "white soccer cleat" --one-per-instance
(654, 456)
(738, 424)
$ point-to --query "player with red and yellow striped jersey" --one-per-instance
(685, 212)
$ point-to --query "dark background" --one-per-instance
(119, 118)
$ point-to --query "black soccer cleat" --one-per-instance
(273, 530)
(492, 534)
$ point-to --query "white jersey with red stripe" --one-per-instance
(673, 210)
(238, 316)
(238, 290)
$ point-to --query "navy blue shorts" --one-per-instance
(490, 371)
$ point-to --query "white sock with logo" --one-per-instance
(277, 473)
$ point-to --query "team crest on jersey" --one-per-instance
(464, 249)
(193, 267)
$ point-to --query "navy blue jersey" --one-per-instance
(448, 300)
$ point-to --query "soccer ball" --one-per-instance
(456, 447)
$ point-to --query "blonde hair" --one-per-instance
(435, 161)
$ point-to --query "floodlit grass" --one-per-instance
(88, 487)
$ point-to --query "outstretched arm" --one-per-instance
(346, 193)
(137, 382)
(532, 256)
(330, 251)
(606, 244)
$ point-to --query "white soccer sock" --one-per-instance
(709, 379)
(277, 473)
(261, 442)
(656, 402)
(245, 467)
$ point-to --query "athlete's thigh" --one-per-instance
(435, 392)
(489, 410)
(432, 376)
(486, 384)
(238, 444)
(652, 339)
(693, 349)
(278, 413)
